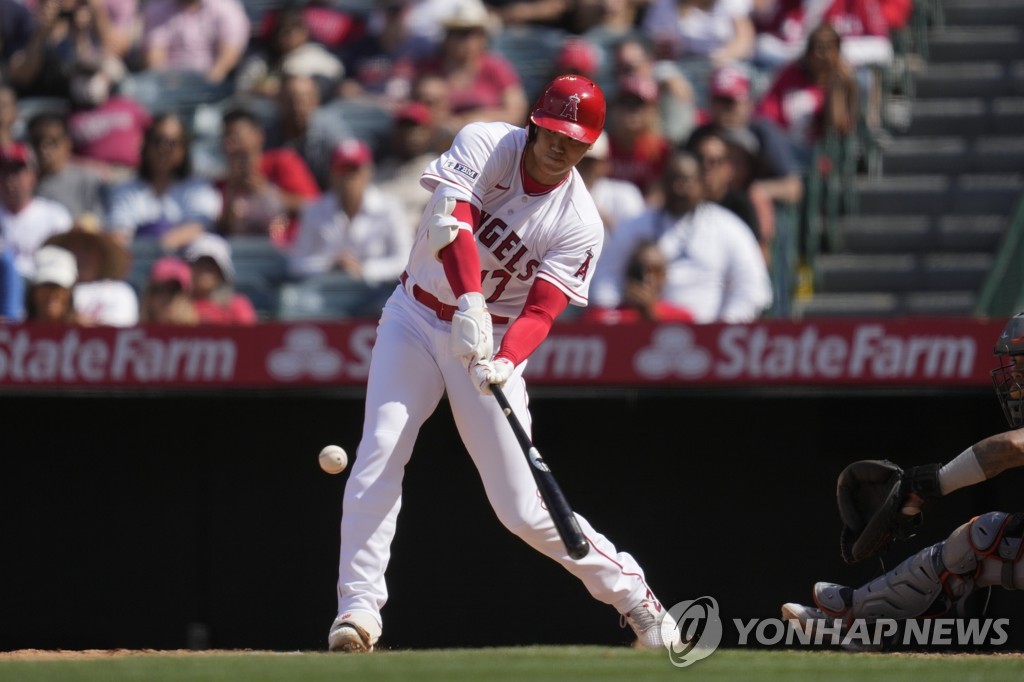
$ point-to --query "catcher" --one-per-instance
(879, 502)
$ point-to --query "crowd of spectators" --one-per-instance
(326, 111)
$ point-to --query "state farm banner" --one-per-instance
(918, 352)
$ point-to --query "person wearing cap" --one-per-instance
(354, 227)
(213, 276)
(677, 99)
(778, 173)
(262, 191)
(102, 296)
(616, 200)
(167, 298)
(411, 149)
(511, 237)
(26, 220)
(48, 299)
(637, 147)
(483, 85)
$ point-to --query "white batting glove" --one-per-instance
(472, 330)
(486, 373)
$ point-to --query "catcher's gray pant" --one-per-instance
(987, 550)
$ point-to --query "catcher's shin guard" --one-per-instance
(937, 578)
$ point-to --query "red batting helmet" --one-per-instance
(573, 106)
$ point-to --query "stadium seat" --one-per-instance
(178, 92)
(258, 256)
(331, 296)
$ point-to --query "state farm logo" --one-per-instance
(305, 352)
(673, 353)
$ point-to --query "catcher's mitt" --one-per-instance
(870, 493)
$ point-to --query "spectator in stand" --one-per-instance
(288, 50)
(26, 220)
(71, 37)
(432, 91)
(12, 288)
(304, 127)
(166, 202)
(106, 128)
(205, 36)
(715, 31)
(715, 266)
(79, 188)
(8, 115)
(778, 173)
(482, 85)
(167, 298)
(861, 24)
(412, 148)
(101, 296)
(642, 295)
(381, 65)
(213, 273)
(610, 20)
(328, 24)
(814, 95)
(17, 27)
(677, 101)
(48, 297)
(355, 228)
(263, 192)
(718, 172)
(638, 150)
(616, 200)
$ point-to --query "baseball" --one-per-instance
(333, 459)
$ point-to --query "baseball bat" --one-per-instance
(554, 499)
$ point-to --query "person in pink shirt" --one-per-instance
(483, 86)
(208, 36)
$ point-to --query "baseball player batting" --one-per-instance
(987, 550)
(510, 238)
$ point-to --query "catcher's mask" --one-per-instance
(1008, 378)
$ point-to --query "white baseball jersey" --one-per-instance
(556, 235)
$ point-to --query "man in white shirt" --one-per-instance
(26, 221)
(715, 266)
(354, 228)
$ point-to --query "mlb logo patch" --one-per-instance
(462, 168)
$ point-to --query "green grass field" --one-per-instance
(528, 663)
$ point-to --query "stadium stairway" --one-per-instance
(927, 227)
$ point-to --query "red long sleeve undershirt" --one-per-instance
(544, 302)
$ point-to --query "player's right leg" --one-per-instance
(611, 576)
(403, 389)
(985, 551)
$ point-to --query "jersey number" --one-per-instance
(502, 277)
